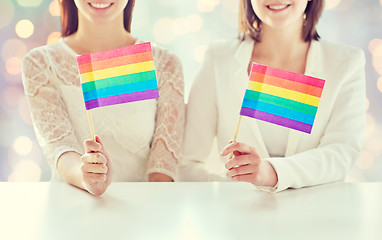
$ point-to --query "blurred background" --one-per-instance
(185, 27)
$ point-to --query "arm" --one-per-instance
(341, 143)
(165, 148)
(339, 146)
(201, 124)
(51, 122)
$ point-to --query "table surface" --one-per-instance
(226, 210)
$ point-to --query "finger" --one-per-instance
(236, 146)
(98, 140)
(242, 170)
(94, 168)
(251, 178)
(92, 146)
(93, 158)
(242, 160)
(94, 177)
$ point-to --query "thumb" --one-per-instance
(98, 140)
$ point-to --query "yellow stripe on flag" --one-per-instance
(284, 93)
(117, 71)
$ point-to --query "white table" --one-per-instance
(197, 211)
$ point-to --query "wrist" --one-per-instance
(271, 178)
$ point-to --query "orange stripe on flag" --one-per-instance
(287, 84)
(115, 62)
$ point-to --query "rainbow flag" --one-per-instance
(281, 97)
(117, 76)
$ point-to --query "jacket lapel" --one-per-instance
(313, 68)
(249, 129)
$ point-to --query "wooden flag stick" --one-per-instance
(237, 131)
(91, 124)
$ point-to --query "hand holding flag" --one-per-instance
(284, 98)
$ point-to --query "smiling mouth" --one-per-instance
(278, 7)
(100, 5)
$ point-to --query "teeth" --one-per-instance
(100, 5)
(277, 7)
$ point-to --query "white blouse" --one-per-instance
(140, 137)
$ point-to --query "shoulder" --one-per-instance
(41, 55)
(168, 68)
(164, 58)
(224, 47)
(341, 52)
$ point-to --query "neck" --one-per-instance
(284, 45)
(91, 37)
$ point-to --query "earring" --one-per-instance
(304, 19)
(256, 24)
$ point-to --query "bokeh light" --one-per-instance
(179, 26)
(194, 23)
(7, 11)
(54, 8)
(13, 65)
(13, 48)
(370, 125)
(379, 84)
(207, 5)
(375, 46)
(54, 37)
(367, 104)
(377, 63)
(11, 95)
(199, 53)
(231, 6)
(25, 171)
(23, 145)
(330, 4)
(162, 32)
(24, 28)
(29, 3)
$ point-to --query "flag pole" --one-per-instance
(91, 124)
(235, 137)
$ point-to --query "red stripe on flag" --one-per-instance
(123, 51)
(115, 62)
(296, 77)
(286, 83)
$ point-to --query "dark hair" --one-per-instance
(250, 24)
(69, 16)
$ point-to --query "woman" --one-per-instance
(280, 35)
(140, 140)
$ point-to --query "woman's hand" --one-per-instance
(159, 177)
(247, 166)
(95, 167)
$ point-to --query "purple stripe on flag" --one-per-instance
(286, 122)
(123, 98)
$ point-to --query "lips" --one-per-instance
(99, 5)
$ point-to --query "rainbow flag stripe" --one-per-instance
(118, 76)
(284, 98)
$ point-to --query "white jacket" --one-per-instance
(323, 156)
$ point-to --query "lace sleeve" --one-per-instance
(50, 120)
(170, 118)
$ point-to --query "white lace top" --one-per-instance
(141, 137)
